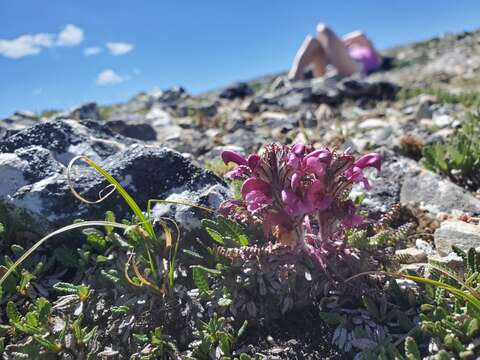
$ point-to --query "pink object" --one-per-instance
(365, 56)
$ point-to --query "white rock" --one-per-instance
(459, 233)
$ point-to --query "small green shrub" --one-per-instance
(459, 158)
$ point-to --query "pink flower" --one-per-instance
(293, 205)
(316, 197)
(297, 186)
(256, 192)
(246, 165)
(355, 173)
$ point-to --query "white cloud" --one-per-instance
(71, 35)
(37, 91)
(92, 50)
(25, 45)
(109, 77)
(119, 48)
(32, 44)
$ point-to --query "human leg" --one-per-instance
(311, 52)
(336, 51)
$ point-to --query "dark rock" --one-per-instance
(145, 172)
(380, 90)
(170, 97)
(140, 130)
(236, 90)
(85, 111)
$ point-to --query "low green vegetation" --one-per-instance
(450, 313)
(459, 157)
(105, 111)
(469, 99)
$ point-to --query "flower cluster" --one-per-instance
(299, 193)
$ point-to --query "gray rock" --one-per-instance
(18, 121)
(66, 139)
(386, 186)
(424, 108)
(34, 182)
(458, 233)
(436, 194)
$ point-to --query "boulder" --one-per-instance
(67, 138)
(34, 185)
(436, 194)
(458, 233)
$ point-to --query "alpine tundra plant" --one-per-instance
(300, 195)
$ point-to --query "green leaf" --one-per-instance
(110, 217)
(43, 309)
(89, 335)
(67, 257)
(332, 318)
(82, 291)
(123, 309)
(96, 239)
(66, 287)
(140, 338)
(242, 329)
(234, 230)
(371, 307)
(472, 260)
(193, 254)
(12, 313)
(411, 349)
(47, 344)
(473, 327)
(200, 279)
(215, 235)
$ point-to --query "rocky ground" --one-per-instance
(167, 145)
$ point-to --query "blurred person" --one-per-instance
(351, 54)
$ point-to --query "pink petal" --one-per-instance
(298, 149)
(369, 160)
(316, 166)
(252, 184)
(253, 160)
(323, 155)
(232, 156)
(295, 181)
(238, 173)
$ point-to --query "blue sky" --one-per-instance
(200, 45)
